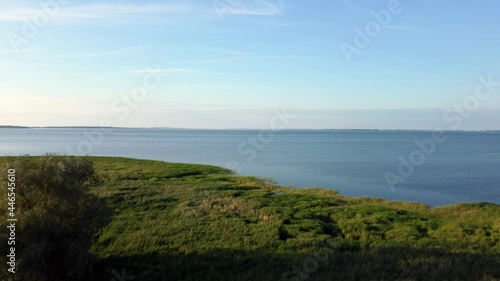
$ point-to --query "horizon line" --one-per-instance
(236, 129)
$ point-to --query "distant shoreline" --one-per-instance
(235, 129)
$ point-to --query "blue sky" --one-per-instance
(230, 63)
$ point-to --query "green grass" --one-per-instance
(195, 222)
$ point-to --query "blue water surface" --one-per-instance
(463, 168)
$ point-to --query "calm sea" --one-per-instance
(463, 168)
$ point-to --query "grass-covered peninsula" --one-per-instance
(111, 218)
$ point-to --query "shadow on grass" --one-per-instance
(332, 264)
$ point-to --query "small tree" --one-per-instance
(57, 217)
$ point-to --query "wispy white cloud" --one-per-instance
(231, 52)
(99, 54)
(124, 11)
(255, 8)
(98, 11)
(294, 24)
(253, 58)
(291, 57)
(30, 50)
(201, 107)
(204, 86)
(217, 60)
(350, 5)
(57, 100)
(127, 11)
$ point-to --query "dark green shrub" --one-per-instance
(57, 217)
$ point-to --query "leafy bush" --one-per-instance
(57, 217)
